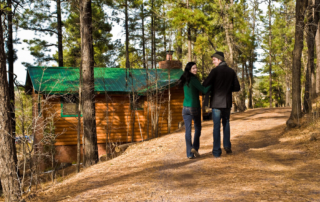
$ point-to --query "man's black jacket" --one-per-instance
(224, 81)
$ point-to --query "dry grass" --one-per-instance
(268, 164)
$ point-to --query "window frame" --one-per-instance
(63, 115)
(131, 103)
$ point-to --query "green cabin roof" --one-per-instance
(111, 80)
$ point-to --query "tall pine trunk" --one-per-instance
(59, 28)
(11, 76)
(270, 59)
(243, 88)
(152, 28)
(8, 165)
(143, 38)
(189, 45)
(287, 87)
(286, 64)
(164, 36)
(127, 34)
(228, 27)
(189, 39)
(317, 39)
(79, 122)
(251, 59)
(250, 83)
(154, 43)
(293, 121)
(179, 44)
(316, 15)
(313, 18)
(89, 121)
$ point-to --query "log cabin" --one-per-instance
(130, 105)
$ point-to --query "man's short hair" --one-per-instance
(218, 55)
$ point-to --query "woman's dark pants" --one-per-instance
(189, 114)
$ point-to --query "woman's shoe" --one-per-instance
(195, 152)
(190, 157)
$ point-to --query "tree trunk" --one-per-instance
(179, 44)
(164, 38)
(79, 126)
(143, 38)
(133, 112)
(154, 45)
(250, 69)
(127, 34)
(189, 39)
(189, 45)
(318, 60)
(169, 100)
(59, 27)
(293, 121)
(79, 121)
(286, 65)
(307, 100)
(81, 100)
(89, 121)
(228, 27)
(313, 18)
(313, 84)
(11, 77)
(8, 169)
(252, 55)
(152, 28)
(270, 60)
(243, 89)
(316, 15)
(287, 90)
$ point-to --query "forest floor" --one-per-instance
(268, 163)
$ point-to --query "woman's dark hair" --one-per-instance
(186, 76)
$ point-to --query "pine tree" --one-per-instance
(87, 68)
(11, 58)
(8, 172)
(104, 48)
(283, 32)
(270, 51)
(301, 6)
(313, 18)
(40, 18)
(255, 12)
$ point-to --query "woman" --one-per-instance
(191, 107)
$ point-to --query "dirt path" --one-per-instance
(265, 166)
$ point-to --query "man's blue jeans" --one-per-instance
(189, 114)
(217, 115)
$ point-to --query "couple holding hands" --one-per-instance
(220, 84)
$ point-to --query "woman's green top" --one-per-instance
(191, 92)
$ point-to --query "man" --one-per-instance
(224, 81)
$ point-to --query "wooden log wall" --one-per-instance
(114, 120)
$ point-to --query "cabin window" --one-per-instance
(139, 102)
(69, 106)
